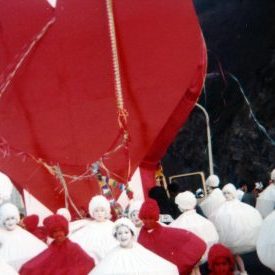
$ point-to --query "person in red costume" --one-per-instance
(62, 257)
(220, 260)
(30, 223)
(178, 246)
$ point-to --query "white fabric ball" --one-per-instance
(213, 181)
(186, 200)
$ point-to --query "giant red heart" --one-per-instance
(60, 106)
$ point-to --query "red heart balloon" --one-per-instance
(60, 106)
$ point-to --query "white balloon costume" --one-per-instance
(266, 242)
(131, 258)
(96, 237)
(6, 269)
(238, 224)
(17, 245)
(191, 221)
(266, 200)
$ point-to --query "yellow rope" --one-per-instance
(116, 68)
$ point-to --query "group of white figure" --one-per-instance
(113, 245)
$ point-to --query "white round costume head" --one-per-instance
(65, 213)
(5, 188)
(272, 175)
(124, 231)
(213, 181)
(99, 208)
(9, 216)
(186, 201)
(229, 191)
(134, 211)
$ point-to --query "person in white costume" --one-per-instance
(266, 200)
(17, 245)
(266, 242)
(5, 188)
(131, 258)
(238, 224)
(6, 269)
(215, 198)
(73, 225)
(133, 212)
(191, 221)
(96, 237)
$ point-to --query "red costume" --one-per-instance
(220, 260)
(178, 246)
(30, 224)
(61, 258)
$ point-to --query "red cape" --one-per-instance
(60, 106)
(66, 258)
(178, 246)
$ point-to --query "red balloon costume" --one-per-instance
(178, 246)
(61, 258)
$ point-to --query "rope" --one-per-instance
(116, 68)
(36, 39)
(68, 198)
(122, 112)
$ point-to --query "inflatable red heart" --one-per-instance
(60, 108)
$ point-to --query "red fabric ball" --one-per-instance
(31, 222)
(56, 221)
(220, 251)
(149, 210)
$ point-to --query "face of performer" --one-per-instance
(59, 235)
(135, 219)
(222, 267)
(124, 236)
(10, 223)
(228, 196)
(100, 214)
(149, 223)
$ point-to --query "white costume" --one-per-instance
(6, 269)
(133, 260)
(266, 242)
(237, 223)
(17, 245)
(215, 199)
(96, 237)
(191, 221)
(266, 200)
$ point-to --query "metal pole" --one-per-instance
(209, 144)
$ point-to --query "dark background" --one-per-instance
(240, 37)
